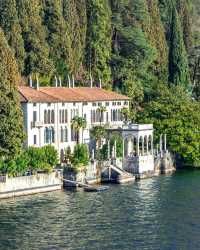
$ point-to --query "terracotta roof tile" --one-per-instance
(64, 94)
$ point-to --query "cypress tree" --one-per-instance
(156, 35)
(58, 39)
(99, 39)
(10, 24)
(11, 128)
(75, 19)
(178, 62)
(34, 35)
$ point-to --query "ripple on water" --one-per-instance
(158, 213)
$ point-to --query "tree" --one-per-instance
(58, 38)
(99, 40)
(78, 123)
(101, 110)
(178, 62)
(80, 156)
(10, 24)
(34, 35)
(11, 121)
(98, 133)
(174, 113)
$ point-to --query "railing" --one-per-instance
(37, 124)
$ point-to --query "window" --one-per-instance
(45, 117)
(63, 116)
(34, 116)
(119, 103)
(66, 135)
(34, 104)
(49, 117)
(85, 103)
(61, 135)
(125, 102)
(94, 104)
(60, 116)
(85, 117)
(74, 104)
(74, 134)
(114, 103)
(52, 116)
(48, 104)
(106, 116)
(35, 139)
(99, 103)
(49, 135)
(63, 104)
(107, 103)
(66, 116)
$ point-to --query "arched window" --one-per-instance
(49, 117)
(63, 116)
(145, 145)
(52, 135)
(60, 116)
(45, 117)
(52, 116)
(61, 134)
(66, 116)
(66, 135)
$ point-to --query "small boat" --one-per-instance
(96, 188)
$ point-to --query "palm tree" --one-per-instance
(126, 113)
(78, 123)
(101, 110)
(97, 133)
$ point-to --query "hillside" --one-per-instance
(120, 42)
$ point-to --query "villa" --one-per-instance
(48, 112)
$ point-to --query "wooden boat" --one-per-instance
(96, 188)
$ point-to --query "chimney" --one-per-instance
(69, 81)
(37, 83)
(30, 82)
(73, 82)
(91, 81)
(56, 82)
(100, 83)
(60, 82)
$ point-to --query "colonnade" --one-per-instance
(137, 146)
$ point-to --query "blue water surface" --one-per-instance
(158, 213)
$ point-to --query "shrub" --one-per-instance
(80, 156)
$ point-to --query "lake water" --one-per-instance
(158, 213)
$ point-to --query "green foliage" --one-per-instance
(11, 123)
(173, 112)
(32, 159)
(78, 123)
(97, 133)
(80, 156)
(34, 35)
(9, 21)
(178, 62)
(99, 40)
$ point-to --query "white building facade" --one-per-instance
(48, 113)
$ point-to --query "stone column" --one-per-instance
(165, 142)
(142, 145)
(115, 150)
(138, 146)
(161, 145)
(152, 145)
(108, 153)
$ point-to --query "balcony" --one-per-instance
(37, 124)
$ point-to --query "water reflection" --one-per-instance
(158, 213)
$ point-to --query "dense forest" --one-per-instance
(147, 49)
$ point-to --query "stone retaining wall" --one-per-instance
(24, 185)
